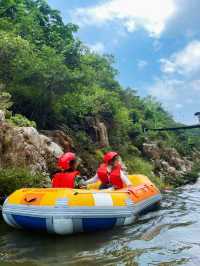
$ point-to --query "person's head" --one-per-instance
(67, 161)
(111, 158)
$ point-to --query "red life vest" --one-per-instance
(64, 180)
(110, 178)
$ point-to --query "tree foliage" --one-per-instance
(55, 80)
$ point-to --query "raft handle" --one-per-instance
(30, 199)
(132, 191)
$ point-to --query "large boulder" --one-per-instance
(152, 151)
(168, 163)
(26, 147)
(60, 138)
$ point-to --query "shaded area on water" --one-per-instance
(169, 236)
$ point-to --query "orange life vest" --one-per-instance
(64, 180)
(112, 178)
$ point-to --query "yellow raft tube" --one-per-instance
(68, 211)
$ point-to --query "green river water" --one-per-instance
(168, 236)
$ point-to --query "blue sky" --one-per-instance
(156, 44)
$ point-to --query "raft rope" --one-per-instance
(130, 190)
(98, 192)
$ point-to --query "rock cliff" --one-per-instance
(169, 165)
(26, 147)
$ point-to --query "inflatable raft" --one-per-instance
(67, 211)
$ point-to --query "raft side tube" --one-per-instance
(67, 211)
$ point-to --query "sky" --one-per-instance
(156, 45)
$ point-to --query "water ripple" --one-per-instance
(168, 236)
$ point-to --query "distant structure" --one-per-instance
(197, 114)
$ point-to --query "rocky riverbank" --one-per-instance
(26, 148)
(169, 165)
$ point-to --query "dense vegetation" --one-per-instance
(16, 178)
(56, 81)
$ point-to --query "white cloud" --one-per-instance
(178, 87)
(164, 90)
(186, 61)
(130, 25)
(132, 14)
(97, 47)
(185, 22)
(179, 97)
(142, 64)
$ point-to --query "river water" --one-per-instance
(168, 236)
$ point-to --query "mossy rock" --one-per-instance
(21, 121)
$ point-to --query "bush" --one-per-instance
(16, 178)
(21, 121)
(138, 165)
(5, 100)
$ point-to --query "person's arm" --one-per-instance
(125, 178)
(92, 180)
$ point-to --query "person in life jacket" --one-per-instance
(68, 177)
(111, 173)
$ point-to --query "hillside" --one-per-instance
(49, 76)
